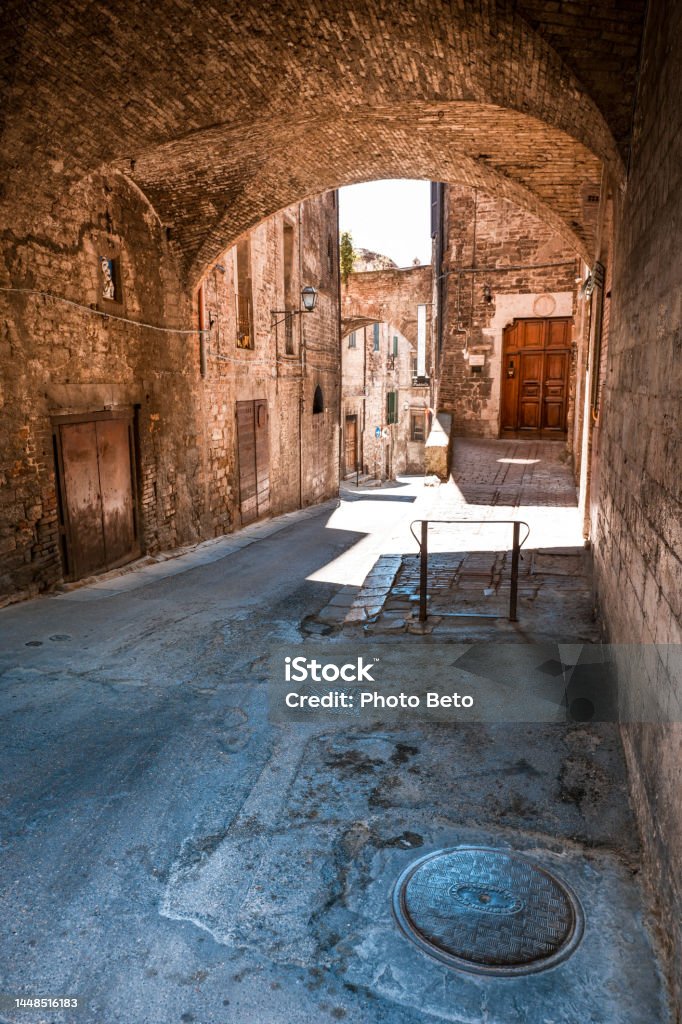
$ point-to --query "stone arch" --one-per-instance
(545, 176)
(289, 99)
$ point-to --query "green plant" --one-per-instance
(346, 255)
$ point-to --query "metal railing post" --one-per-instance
(513, 590)
(423, 569)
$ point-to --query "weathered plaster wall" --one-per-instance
(637, 518)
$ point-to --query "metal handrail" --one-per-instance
(424, 556)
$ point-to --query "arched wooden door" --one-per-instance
(536, 364)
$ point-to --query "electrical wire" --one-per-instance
(154, 327)
(99, 312)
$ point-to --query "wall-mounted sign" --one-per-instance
(377, 432)
(477, 359)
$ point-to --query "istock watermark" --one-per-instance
(329, 683)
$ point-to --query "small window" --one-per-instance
(352, 339)
(376, 337)
(417, 425)
(289, 296)
(395, 344)
(318, 401)
(330, 256)
(392, 407)
(244, 296)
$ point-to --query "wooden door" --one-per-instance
(529, 415)
(535, 376)
(351, 444)
(82, 499)
(253, 446)
(97, 486)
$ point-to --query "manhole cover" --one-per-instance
(487, 911)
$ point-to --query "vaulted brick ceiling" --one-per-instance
(222, 114)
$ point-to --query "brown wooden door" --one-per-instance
(253, 446)
(529, 415)
(351, 444)
(97, 491)
(535, 371)
(115, 476)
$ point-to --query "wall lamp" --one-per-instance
(308, 300)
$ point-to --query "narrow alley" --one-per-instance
(341, 512)
(184, 855)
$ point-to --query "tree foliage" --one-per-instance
(346, 255)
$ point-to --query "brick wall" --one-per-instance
(389, 298)
(62, 359)
(59, 359)
(482, 232)
(303, 446)
(637, 521)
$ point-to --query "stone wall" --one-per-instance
(637, 515)
(61, 359)
(486, 233)
(385, 302)
(67, 350)
(304, 452)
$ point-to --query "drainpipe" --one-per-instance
(202, 330)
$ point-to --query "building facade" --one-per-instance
(271, 372)
(506, 300)
(387, 395)
(127, 400)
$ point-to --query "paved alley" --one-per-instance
(170, 854)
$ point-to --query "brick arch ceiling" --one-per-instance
(224, 113)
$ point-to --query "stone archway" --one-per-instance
(222, 118)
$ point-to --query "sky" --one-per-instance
(389, 217)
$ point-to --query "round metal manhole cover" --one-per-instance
(487, 911)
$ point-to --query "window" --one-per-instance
(376, 337)
(289, 300)
(352, 339)
(395, 344)
(392, 407)
(330, 256)
(244, 296)
(417, 425)
(318, 401)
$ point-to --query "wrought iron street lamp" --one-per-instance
(308, 300)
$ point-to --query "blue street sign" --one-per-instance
(377, 432)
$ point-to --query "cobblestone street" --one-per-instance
(469, 564)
